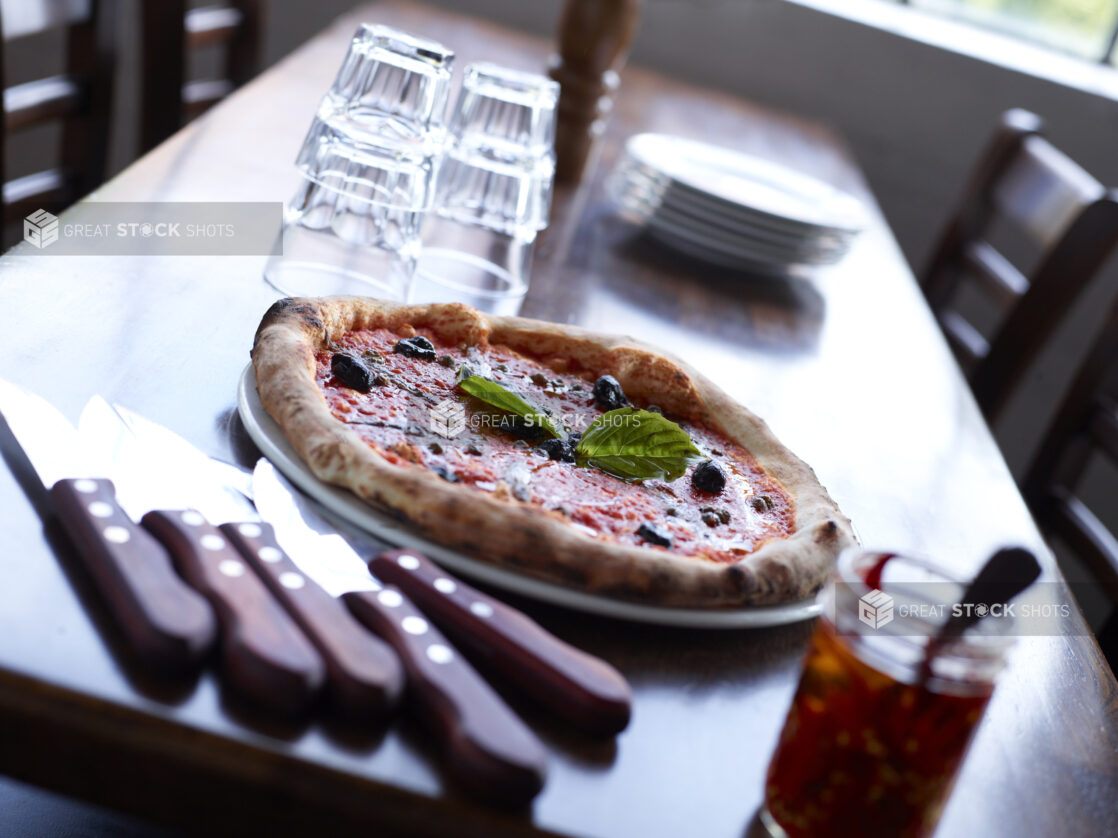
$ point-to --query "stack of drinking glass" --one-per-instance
(394, 205)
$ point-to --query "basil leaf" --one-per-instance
(637, 445)
(498, 396)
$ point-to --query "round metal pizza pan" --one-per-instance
(270, 439)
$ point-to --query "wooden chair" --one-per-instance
(170, 31)
(80, 97)
(1085, 426)
(1024, 180)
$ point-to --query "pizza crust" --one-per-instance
(512, 533)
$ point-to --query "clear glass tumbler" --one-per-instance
(391, 81)
(369, 163)
(877, 731)
(478, 243)
(507, 113)
(494, 192)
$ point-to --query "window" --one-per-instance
(1085, 28)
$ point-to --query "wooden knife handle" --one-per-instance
(488, 749)
(264, 655)
(580, 688)
(364, 676)
(167, 625)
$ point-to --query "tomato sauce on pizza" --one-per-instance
(722, 509)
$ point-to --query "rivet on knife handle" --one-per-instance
(583, 689)
(488, 749)
(265, 656)
(364, 676)
(168, 626)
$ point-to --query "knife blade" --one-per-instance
(264, 656)
(364, 678)
(487, 748)
(166, 625)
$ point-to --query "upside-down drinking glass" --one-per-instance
(494, 192)
(369, 164)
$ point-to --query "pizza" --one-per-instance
(596, 462)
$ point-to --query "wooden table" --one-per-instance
(848, 368)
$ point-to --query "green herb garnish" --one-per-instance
(498, 396)
(637, 444)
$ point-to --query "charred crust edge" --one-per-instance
(289, 308)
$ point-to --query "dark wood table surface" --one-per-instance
(848, 367)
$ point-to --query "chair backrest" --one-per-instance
(1024, 180)
(1085, 426)
(170, 33)
(80, 97)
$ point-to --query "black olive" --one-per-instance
(539, 378)
(762, 503)
(709, 477)
(653, 536)
(559, 449)
(435, 448)
(446, 360)
(713, 516)
(351, 372)
(608, 393)
(416, 347)
(520, 429)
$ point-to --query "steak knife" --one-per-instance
(264, 656)
(488, 749)
(582, 689)
(578, 687)
(166, 625)
(364, 677)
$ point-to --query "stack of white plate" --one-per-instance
(732, 209)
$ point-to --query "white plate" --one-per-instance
(733, 233)
(749, 182)
(719, 240)
(705, 253)
(711, 245)
(744, 246)
(702, 246)
(657, 190)
(270, 439)
(676, 203)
